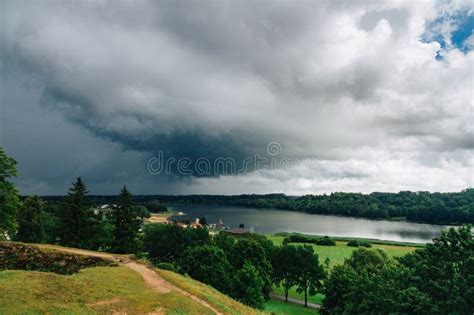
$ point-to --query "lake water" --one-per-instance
(272, 221)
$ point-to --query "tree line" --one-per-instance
(455, 207)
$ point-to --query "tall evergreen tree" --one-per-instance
(76, 218)
(30, 221)
(126, 224)
(9, 201)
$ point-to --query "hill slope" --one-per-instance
(129, 288)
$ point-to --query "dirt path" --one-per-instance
(152, 278)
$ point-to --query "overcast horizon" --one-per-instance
(364, 95)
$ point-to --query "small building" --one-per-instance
(237, 231)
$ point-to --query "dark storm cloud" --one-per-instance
(346, 83)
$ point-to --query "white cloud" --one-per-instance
(350, 84)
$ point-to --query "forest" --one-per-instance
(454, 207)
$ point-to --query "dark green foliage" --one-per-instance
(417, 206)
(167, 242)
(29, 257)
(444, 271)
(76, 218)
(141, 212)
(203, 220)
(285, 270)
(297, 238)
(248, 286)
(155, 207)
(207, 264)
(251, 251)
(166, 266)
(357, 243)
(438, 279)
(126, 224)
(309, 272)
(225, 242)
(9, 200)
(325, 241)
(30, 221)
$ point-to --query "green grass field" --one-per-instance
(98, 290)
(337, 254)
(282, 308)
(341, 251)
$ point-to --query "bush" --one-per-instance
(356, 243)
(353, 243)
(325, 241)
(29, 257)
(166, 266)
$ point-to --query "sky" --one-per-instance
(230, 97)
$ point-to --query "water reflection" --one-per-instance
(271, 221)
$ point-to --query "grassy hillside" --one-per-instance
(95, 290)
(104, 290)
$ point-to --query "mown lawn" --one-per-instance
(282, 308)
(99, 290)
(341, 251)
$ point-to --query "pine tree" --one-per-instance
(30, 221)
(76, 217)
(126, 224)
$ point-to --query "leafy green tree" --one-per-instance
(310, 273)
(30, 221)
(365, 260)
(207, 264)
(76, 218)
(141, 212)
(248, 286)
(248, 250)
(126, 224)
(285, 270)
(444, 270)
(9, 201)
(167, 242)
(224, 241)
(437, 279)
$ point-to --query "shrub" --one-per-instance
(353, 243)
(356, 243)
(325, 241)
(29, 257)
(166, 266)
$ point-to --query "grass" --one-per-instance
(96, 290)
(337, 254)
(282, 308)
(220, 301)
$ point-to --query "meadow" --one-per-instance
(337, 254)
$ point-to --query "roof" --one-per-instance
(237, 231)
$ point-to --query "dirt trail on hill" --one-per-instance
(152, 278)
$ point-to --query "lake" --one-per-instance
(272, 221)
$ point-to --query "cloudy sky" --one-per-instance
(364, 95)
